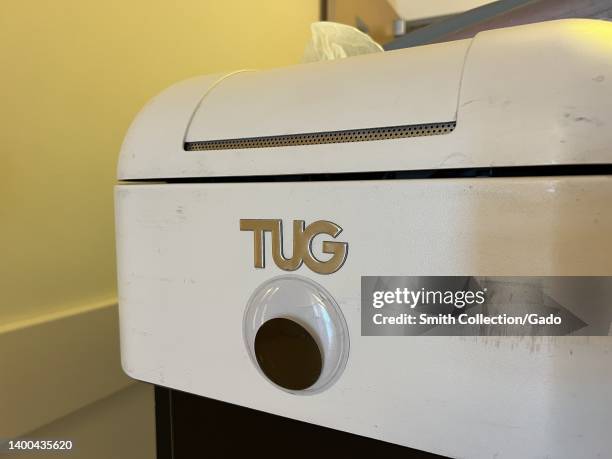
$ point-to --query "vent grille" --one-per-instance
(315, 138)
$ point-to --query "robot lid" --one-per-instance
(538, 94)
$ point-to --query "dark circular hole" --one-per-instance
(288, 354)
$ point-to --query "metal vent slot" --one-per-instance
(315, 138)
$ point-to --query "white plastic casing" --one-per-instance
(529, 95)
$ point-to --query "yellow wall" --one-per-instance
(72, 76)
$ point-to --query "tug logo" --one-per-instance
(302, 244)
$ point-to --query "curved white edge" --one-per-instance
(156, 135)
(537, 94)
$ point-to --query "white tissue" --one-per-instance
(331, 40)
